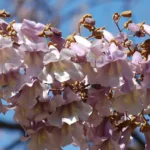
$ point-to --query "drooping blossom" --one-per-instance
(91, 92)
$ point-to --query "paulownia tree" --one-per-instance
(92, 91)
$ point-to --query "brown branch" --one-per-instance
(138, 139)
(10, 126)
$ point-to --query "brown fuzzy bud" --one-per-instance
(8, 27)
(141, 24)
(145, 127)
(127, 13)
(89, 27)
(82, 20)
(116, 16)
(4, 14)
(98, 33)
(41, 34)
(128, 43)
(146, 44)
(47, 26)
(144, 52)
(70, 38)
(87, 16)
(51, 43)
(126, 23)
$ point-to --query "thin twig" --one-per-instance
(136, 136)
(11, 126)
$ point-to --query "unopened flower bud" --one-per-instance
(82, 20)
(90, 21)
(144, 127)
(89, 27)
(70, 38)
(128, 43)
(126, 23)
(116, 16)
(98, 33)
(8, 27)
(87, 16)
(146, 44)
(4, 14)
(127, 13)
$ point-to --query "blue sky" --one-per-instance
(102, 13)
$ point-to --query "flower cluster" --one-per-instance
(78, 90)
